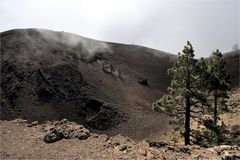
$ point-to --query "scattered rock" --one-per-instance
(56, 123)
(95, 136)
(34, 123)
(19, 120)
(185, 150)
(64, 121)
(108, 68)
(29, 125)
(182, 149)
(53, 136)
(157, 144)
(231, 157)
(82, 135)
(227, 155)
(199, 157)
(227, 148)
(195, 147)
(107, 138)
(116, 144)
(143, 152)
(123, 148)
(67, 130)
(227, 152)
(150, 155)
(211, 150)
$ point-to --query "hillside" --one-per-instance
(61, 82)
(108, 87)
(50, 75)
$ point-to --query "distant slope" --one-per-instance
(233, 66)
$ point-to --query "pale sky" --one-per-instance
(161, 24)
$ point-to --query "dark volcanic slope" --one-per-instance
(233, 66)
(48, 75)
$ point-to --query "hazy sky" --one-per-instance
(161, 24)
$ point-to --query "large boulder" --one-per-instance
(65, 130)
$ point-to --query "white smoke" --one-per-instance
(88, 48)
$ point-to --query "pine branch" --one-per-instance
(193, 103)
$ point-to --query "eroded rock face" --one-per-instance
(101, 116)
(11, 81)
(64, 81)
(54, 92)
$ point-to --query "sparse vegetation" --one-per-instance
(217, 82)
(197, 87)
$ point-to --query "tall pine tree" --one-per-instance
(218, 82)
(185, 92)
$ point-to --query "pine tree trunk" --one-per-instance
(215, 108)
(187, 122)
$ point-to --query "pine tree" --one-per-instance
(186, 91)
(218, 82)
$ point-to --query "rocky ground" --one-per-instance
(21, 140)
(69, 140)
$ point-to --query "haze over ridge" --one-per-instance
(162, 25)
